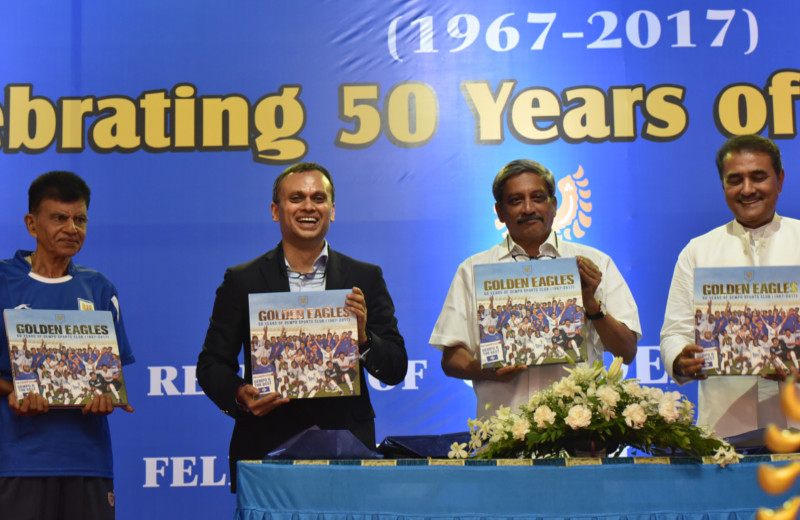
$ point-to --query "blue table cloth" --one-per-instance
(624, 488)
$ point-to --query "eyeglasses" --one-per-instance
(316, 274)
(522, 257)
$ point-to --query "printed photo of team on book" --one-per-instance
(747, 340)
(68, 374)
(305, 362)
(532, 333)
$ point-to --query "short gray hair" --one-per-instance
(519, 167)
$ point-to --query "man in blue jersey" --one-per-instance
(55, 464)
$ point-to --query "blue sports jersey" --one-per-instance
(60, 442)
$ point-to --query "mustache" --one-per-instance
(527, 218)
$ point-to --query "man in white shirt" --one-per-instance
(752, 177)
(525, 197)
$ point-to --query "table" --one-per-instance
(612, 488)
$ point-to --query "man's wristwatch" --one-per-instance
(596, 316)
(600, 314)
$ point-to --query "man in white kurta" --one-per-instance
(524, 191)
(752, 177)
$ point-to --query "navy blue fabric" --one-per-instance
(314, 443)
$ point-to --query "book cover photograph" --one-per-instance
(304, 344)
(68, 357)
(746, 319)
(529, 313)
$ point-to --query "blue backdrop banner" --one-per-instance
(180, 115)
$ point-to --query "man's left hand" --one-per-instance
(358, 305)
(781, 375)
(102, 405)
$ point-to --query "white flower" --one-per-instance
(669, 406)
(566, 388)
(544, 416)
(634, 416)
(484, 430)
(653, 395)
(503, 413)
(608, 396)
(584, 373)
(726, 455)
(615, 370)
(687, 411)
(536, 399)
(633, 389)
(475, 443)
(457, 451)
(520, 428)
(607, 413)
(578, 417)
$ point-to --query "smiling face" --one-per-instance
(305, 208)
(527, 210)
(751, 187)
(58, 227)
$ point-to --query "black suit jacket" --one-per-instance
(229, 332)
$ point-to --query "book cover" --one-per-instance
(68, 357)
(529, 313)
(746, 319)
(304, 344)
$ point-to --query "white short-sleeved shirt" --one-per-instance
(458, 322)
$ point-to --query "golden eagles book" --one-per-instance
(529, 313)
(68, 357)
(304, 344)
(746, 319)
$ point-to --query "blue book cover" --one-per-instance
(68, 357)
(304, 344)
(746, 319)
(529, 313)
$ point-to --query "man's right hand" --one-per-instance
(249, 397)
(687, 365)
(31, 405)
(459, 362)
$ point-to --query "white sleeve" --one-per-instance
(678, 328)
(458, 322)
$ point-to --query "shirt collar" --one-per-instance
(767, 229)
(752, 237)
(320, 263)
(24, 258)
(548, 248)
(322, 260)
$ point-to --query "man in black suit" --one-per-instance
(303, 205)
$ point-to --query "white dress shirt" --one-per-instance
(736, 404)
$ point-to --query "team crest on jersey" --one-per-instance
(303, 300)
(85, 305)
(60, 317)
(572, 217)
(748, 275)
(527, 269)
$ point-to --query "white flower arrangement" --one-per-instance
(591, 410)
